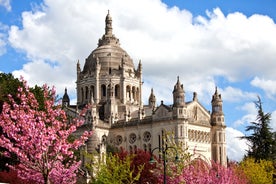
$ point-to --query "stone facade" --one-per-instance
(111, 84)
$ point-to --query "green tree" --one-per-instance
(261, 141)
(8, 85)
(113, 171)
(39, 95)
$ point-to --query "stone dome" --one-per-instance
(108, 54)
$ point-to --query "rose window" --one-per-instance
(147, 136)
(119, 140)
(132, 138)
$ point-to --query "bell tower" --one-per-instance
(218, 130)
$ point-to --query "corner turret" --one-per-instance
(217, 116)
(179, 106)
(218, 130)
(178, 94)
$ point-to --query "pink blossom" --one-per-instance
(40, 138)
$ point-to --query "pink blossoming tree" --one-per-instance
(39, 138)
(199, 171)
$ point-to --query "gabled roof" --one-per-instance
(162, 105)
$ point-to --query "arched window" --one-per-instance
(82, 95)
(128, 93)
(92, 91)
(149, 145)
(117, 91)
(215, 137)
(103, 88)
(137, 94)
(133, 93)
(220, 155)
(86, 92)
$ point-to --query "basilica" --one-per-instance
(112, 85)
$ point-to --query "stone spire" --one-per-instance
(152, 99)
(108, 38)
(177, 85)
(78, 70)
(78, 66)
(108, 24)
(216, 96)
(139, 69)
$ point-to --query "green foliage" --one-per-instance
(113, 171)
(260, 172)
(176, 149)
(122, 167)
(262, 141)
(111, 149)
(8, 85)
(39, 95)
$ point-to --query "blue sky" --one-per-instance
(247, 7)
(230, 44)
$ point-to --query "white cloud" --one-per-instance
(169, 41)
(236, 147)
(234, 94)
(250, 114)
(269, 86)
(6, 4)
(48, 74)
(249, 108)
